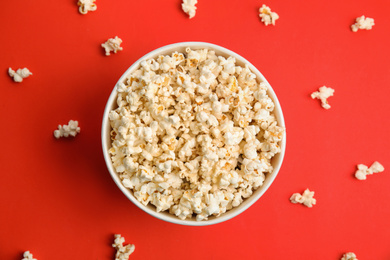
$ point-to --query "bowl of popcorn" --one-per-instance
(193, 134)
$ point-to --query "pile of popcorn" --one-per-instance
(193, 133)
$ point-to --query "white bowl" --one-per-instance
(150, 209)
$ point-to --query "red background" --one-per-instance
(57, 198)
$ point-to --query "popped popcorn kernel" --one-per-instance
(19, 75)
(122, 252)
(71, 129)
(349, 256)
(306, 198)
(112, 45)
(267, 16)
(185, 137)
(86, 6)
(28, 256)
(189, 7)
(323, 94)
(363, 23)
(363, 170)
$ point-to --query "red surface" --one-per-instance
(57, 198)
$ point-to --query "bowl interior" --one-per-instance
(106, 140)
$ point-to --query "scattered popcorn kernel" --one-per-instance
(362, 23)
(19, 75)
(349, 256)
(306, 198)
(112, 44)
(377, 167)
(28, 256)
(189, 7)
(185, 137)
(71, 129)
(86, 6)
(363, 170)
(323, 94)
(268, 17)
(122, 252)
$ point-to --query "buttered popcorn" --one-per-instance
(193, 133)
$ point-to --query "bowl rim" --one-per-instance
(164, 215)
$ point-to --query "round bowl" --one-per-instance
(150, 209)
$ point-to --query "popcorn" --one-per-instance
(184, 137)
(28, 256)
(267, 17)
(250, 151)
(234, 138)
(112, 44)
(122, 252)
(19, 75)
(306, 198)
(349, 256)
(189, 7)
(362, 23)
(363, 170)
(323, 94)
(71, 129)
(86, 6)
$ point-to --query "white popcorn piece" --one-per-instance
(234, 138)
(349, 256)
(112, 45)
(306, 198)
(185, 137)
(122, 252)
(362, 22)
(71, 129)
(28, 256)
(363, 170)
(19, 75)
(267, 16)
(86, 6)
(323, 94)
(189, 7)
